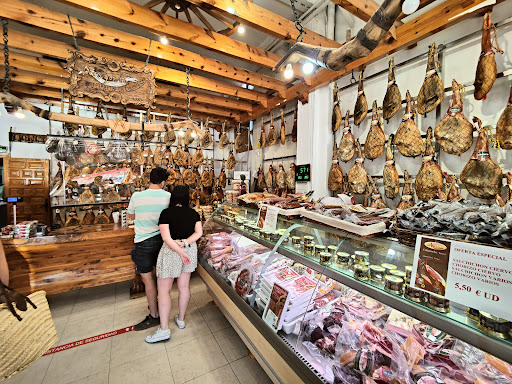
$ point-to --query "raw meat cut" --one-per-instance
(393, 99)
(430, 177)
(294, 128)
(238, 139)
(482, 177)
(347, 146)
(335, 181)
(263, 136)
(453, 192)
(376, 197)
(222, 176)
(374, 145)
(390, 174)
(454, 132)
(361, 108)
(290, 178)
(272, 134)
(486, 70)
(408, 137)
(432, 91)
(407, 200)
(231, 161)
(336, 109)
(357, 176)
(223, 139)
(207, 138)
(198, 158)
(283, 128)
(504, 126)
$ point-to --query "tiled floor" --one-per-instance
(207, 351)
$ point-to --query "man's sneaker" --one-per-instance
(159, 335)
(148, 322)
(179, 323)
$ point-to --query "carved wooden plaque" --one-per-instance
(110, 80)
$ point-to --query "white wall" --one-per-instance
(458, 62)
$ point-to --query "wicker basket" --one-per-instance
(23, 342)
(406, 236)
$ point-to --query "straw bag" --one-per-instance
(27, 340)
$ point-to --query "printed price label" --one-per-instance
(474, 275)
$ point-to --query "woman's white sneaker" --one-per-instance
(159, 335)
(179, 323)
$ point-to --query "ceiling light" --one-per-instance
(193, 134)
(230, 10)
(177, 6)
(410, 6)
(164, 40)
(181, 133)
(241, 29)
(19, 113)
(308, 68)
(288, 72)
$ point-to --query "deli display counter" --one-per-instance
(312, 303)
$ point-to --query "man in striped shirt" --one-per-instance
(146, 207)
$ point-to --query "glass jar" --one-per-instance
(394, 284)
(377, 273)
(388, 267)
(362, 257)
(325, 258)
(361, 272)
(319, 249)
(413, 294)
(438, 303)
(342, 259)
(296, 241)
(495, 326)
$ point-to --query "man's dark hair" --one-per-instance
(158, 175)
(180, 196)
(242, 177)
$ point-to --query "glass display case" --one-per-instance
(329, 274)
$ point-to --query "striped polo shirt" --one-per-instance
(147, 206)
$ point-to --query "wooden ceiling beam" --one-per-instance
(58, 22)
(60, 50)
(264, 20)
(44, 80)
(442, 16)
(171, 27)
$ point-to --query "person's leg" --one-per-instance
(164, 300)
(151, 293)
(183, 294)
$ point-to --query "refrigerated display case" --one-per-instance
(344, 285)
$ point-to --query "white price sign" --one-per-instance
(474, 275)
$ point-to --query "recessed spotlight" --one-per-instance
(288, 72)
(230, 10)
(410, 6)
(241, 29)
(164, 40)
(308, 68)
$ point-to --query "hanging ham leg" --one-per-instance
(453, 192)
(361, 108)
(390, 174)
(335, 181)
(393, 99)
(283, 128)
(454, 132)
(375, 141)
(486, 70)
(263, 136)
(347, 146)
(376, 197)
(408, 137)
(482, 177)
(407, 200)
(294, 129)
(357, 176)
(336, 109)
(432, 91)
(504, 126)
(430, 177)
(272, 133)
(290, 178)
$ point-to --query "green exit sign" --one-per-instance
(303, 172)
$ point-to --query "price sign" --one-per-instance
(303, 172)
(474, 275)
(276, 307)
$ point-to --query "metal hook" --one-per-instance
(353, 79)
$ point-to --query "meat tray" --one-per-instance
(287, 212)
(361, 231)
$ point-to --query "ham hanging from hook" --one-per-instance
(347, 147)
(375, 141)
(429, 179)
(283, 128)
(361, 108)
(263, 136)
(408, 139)
(393, 99)
(335, 180)
(390, 174)
(336, 109)
(504, 126)
(357, 176)
(432, 91)
(407, 200)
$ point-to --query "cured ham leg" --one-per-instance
(393, 99)
(357, 176)
(504, 126)
(407, 200)
(347, 147)
(283, 128)
(290, 178)
(486, 70)
(482, 177)
(390, 174)
(336, 109)
(375, 141)
(294, 129)
(272, 134)
(454, 132)
(453, 192)
(335, 181)
(430, 177)
(432, 91)
(376, 197)
(361, 108)
(207, 138)
(238, 139)
(263, 136)
(408, 137)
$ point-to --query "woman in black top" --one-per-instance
(180, 227)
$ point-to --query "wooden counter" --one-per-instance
(71, 258)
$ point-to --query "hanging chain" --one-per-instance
(188, 93)
(7, 76)
(73, 34)
(149, 54)
(298, 24)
